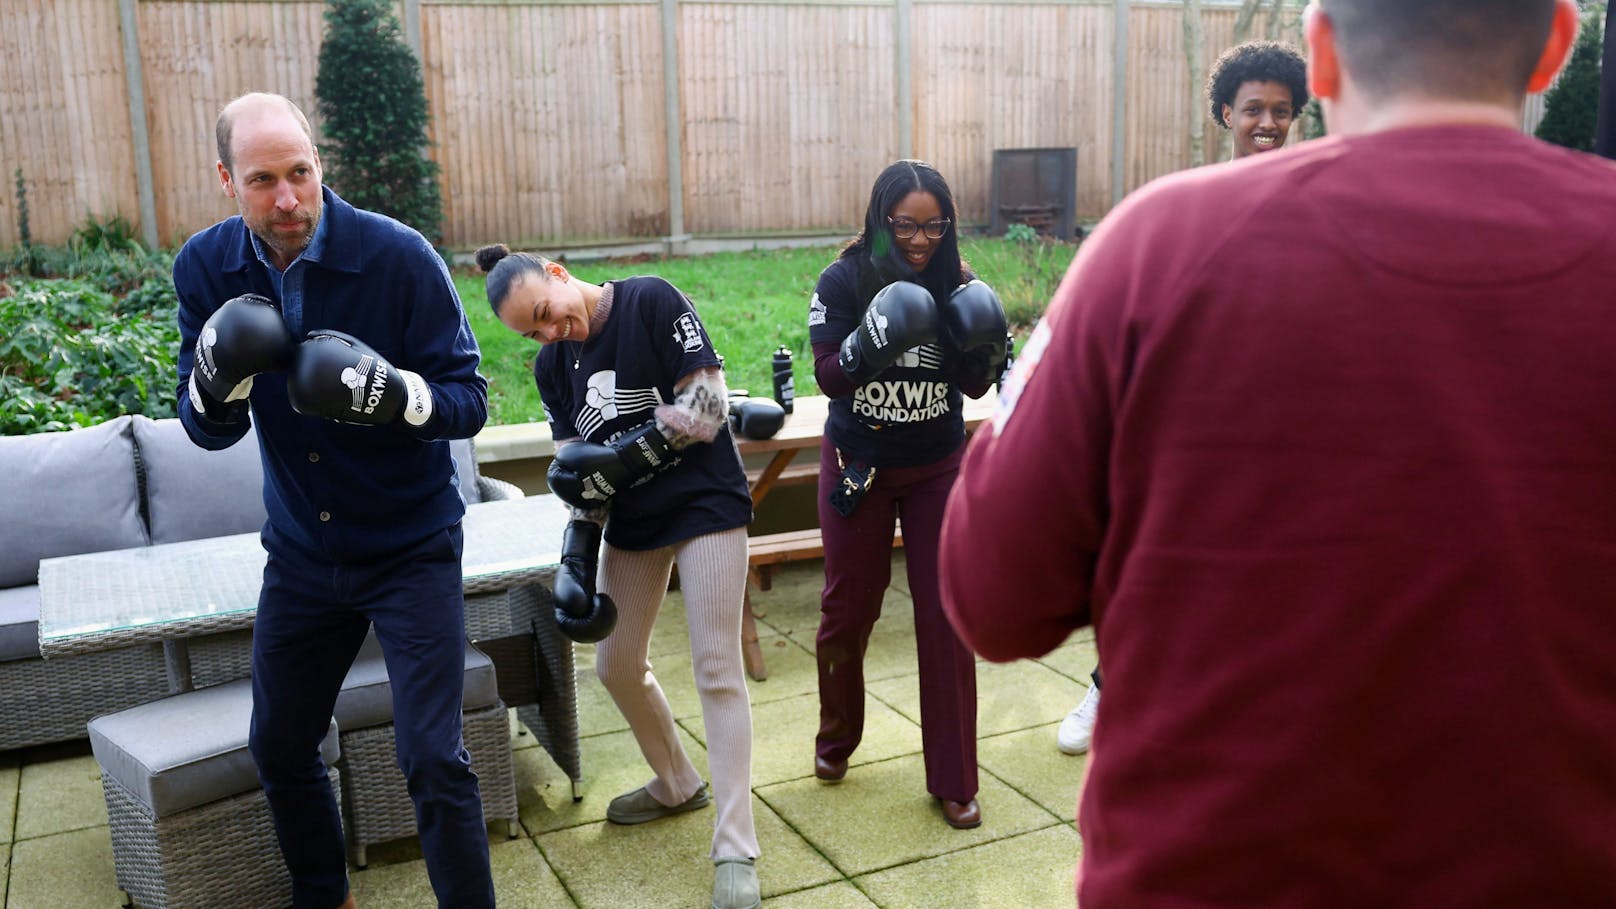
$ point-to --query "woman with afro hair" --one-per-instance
(1256, 90)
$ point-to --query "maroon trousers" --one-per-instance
(858, 567)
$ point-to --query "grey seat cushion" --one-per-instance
(67, 493)
(187, 749)
(192, 493)
(465, 460)
(366, 698)
(19, 622)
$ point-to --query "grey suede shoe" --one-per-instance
(735, 883)
(640, 806)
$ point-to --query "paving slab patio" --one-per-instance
(1028, 762)
(59, 796)
(522, 880)
(1075, 658)
(840, 895)
(666, 863)
(64, 870)
(1033, 869)
(783, 738)
(881, 816)
(10, 774)
(874, 840)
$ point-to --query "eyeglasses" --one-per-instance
(904, 228)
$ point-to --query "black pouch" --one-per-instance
(855, 481)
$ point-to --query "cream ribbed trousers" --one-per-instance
(712, 575)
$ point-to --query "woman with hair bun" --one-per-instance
(637, 406)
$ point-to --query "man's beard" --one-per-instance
(289, 245)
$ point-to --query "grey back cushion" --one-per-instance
(193, 493)
(465, 460)
(64, 493)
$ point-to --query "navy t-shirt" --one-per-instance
(911, 413)
(613, 381)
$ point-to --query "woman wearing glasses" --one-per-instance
(900, 328)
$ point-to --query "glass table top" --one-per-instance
(209, 585)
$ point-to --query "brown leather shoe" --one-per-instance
(962, 815)
(828, 770)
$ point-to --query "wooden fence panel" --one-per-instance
(990, 76)
(64, 118)
(789, 113)
(197, 56)
(548, 121)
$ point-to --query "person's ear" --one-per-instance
(228, 187)
(558, 272)
(1228, 117)
(1562, 35)
(1323, 60)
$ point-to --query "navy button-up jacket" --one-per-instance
(337, 491)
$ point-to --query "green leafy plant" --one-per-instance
(71, 356)
(24, 261)
(115, 234)
(373, 114)
(1571, 108)
(1021, 233)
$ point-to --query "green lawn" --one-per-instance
(751, 303)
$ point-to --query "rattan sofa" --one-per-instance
(129, 482)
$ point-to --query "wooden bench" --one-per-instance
(765, 553)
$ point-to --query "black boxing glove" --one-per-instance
(974, 326)
(901, 316)
(586, 474)
(339, 377)
(244, 337)
(582, 614)
(755, 418)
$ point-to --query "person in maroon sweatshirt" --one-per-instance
(1323, 444)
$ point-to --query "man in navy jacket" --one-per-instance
(363, 515)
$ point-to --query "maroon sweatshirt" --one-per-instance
(1323, 444)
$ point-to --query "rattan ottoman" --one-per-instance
(191, 828)
(376, 800)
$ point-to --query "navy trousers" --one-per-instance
(312, 617)
(858, 567)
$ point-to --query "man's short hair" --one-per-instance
(224, 126)
(1472, 50)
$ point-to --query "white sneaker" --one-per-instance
(1078, 727)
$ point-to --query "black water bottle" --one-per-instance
(784, 391)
